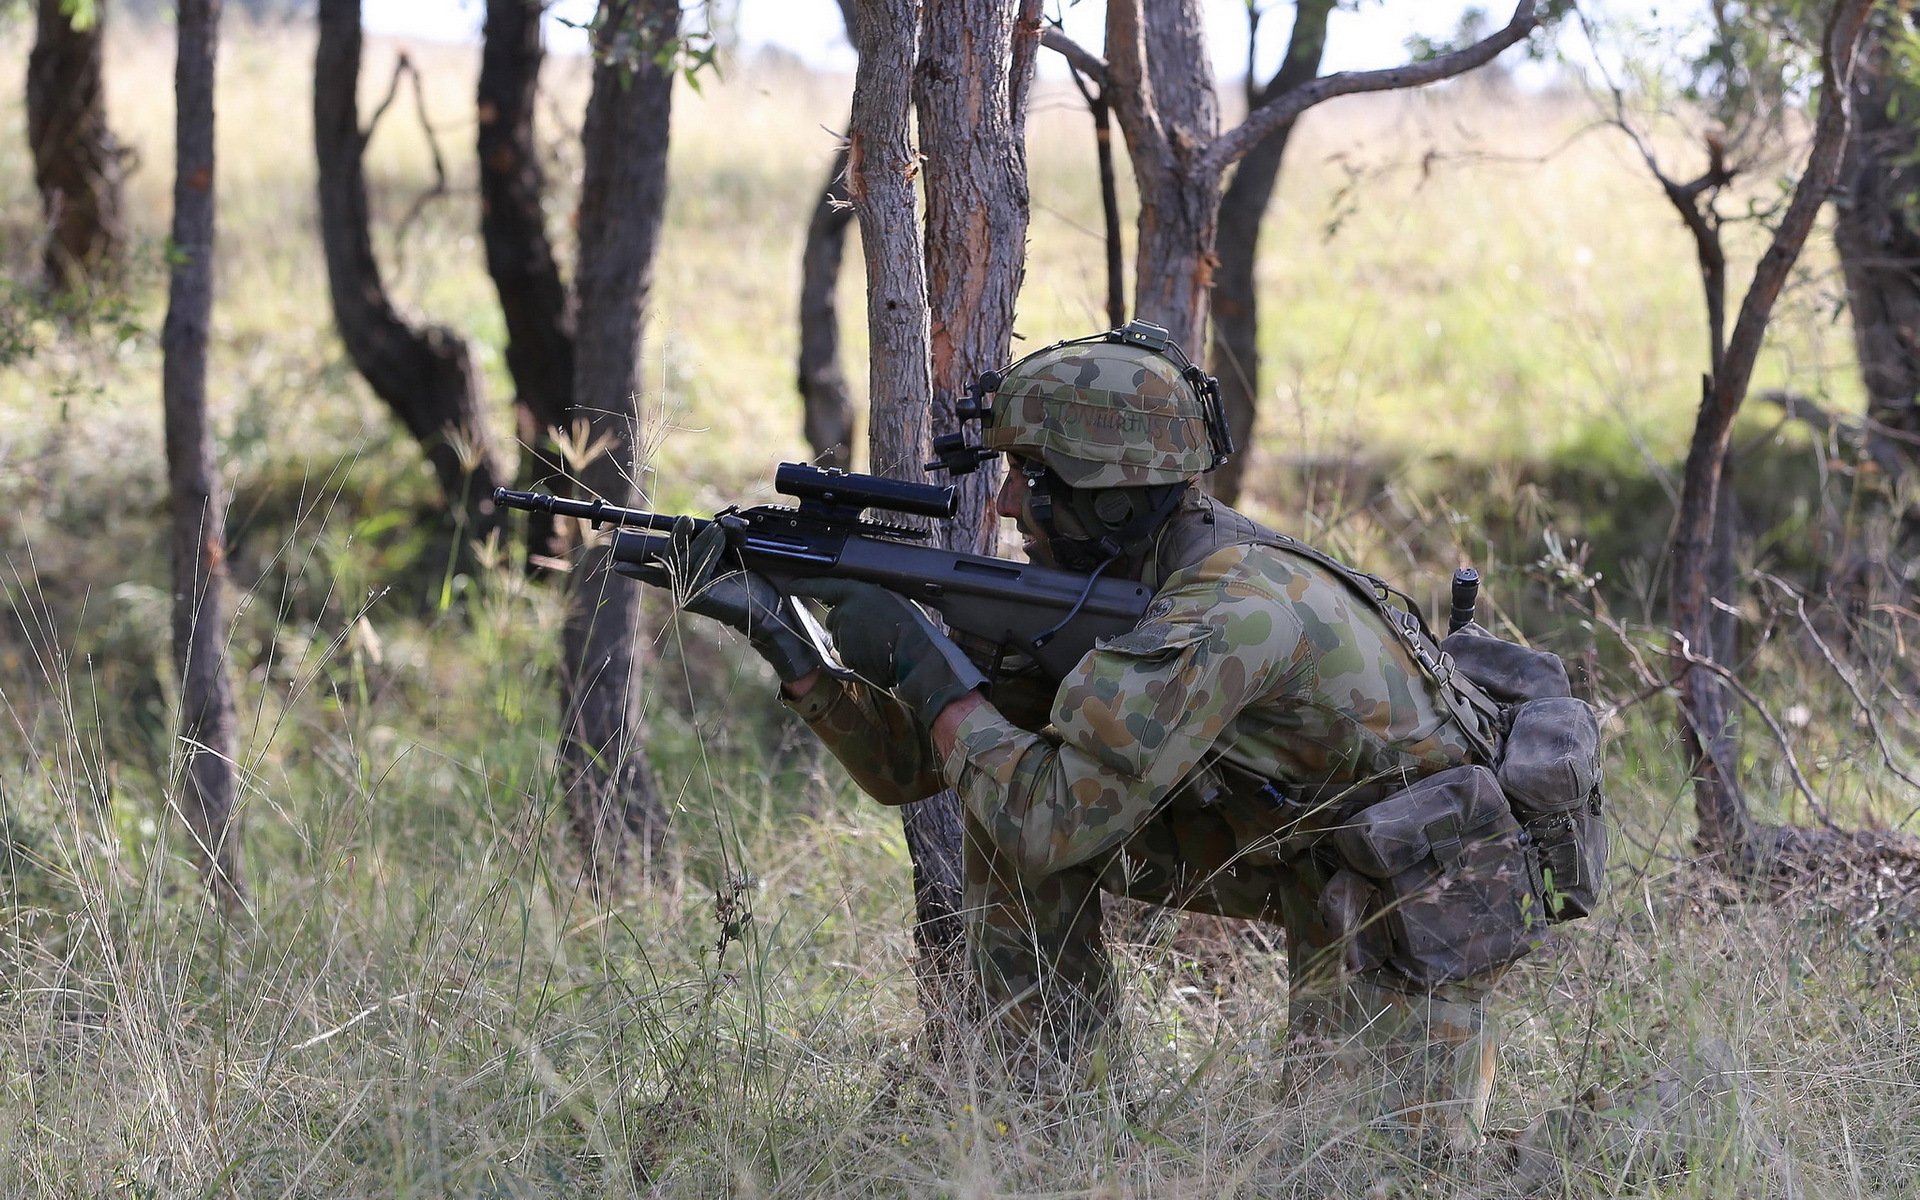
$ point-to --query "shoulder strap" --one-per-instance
(1196, 534)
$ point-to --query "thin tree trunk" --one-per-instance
(1877, 231)
(1161, 86)
(974, 155)
(1102, 113)
(77, 162)
(881, 169)
(1235, 352)
(426, 376)
(1727, 828)
(535, 303)
(611, 796)
(826, 401)
(202, 608)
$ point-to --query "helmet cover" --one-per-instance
(1102, 414)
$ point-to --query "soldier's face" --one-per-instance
(1013, 501)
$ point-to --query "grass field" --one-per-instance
(1499, 340)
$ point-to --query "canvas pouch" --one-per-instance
(1550, 771)
(1459, 890)
(1506, 671)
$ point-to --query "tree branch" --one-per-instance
(1230, 147)
(1027, 36)
(1823, 165)
(1078, 57)
(1129, 88)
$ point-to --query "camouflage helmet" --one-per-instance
(1121, 409)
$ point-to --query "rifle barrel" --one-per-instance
(599, 512)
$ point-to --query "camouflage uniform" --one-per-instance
(1191, 762)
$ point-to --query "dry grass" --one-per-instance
(421, 1003)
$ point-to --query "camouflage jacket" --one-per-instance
(1253, 663)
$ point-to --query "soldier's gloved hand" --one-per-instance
(887, 640)
(748, 602)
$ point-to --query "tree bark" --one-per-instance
(1161, 88)
(881, 169)
(611, 796)
(202, 608)
(826, 401)
(1877, 231)
(973, 145)
(1235, 352)
(536, 305)
(426, 375)
(77, 162)
(1727, 828)
(975, 62)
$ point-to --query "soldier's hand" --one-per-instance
(742, 599)
(890, 642)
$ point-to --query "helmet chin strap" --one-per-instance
(1102, 543)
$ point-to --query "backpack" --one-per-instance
(1459, 873)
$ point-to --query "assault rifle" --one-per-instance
(1002, 611)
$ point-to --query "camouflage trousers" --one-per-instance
(1424, 1059)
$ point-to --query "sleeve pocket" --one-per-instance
(1156, 641)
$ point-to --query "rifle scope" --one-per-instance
(838, 489)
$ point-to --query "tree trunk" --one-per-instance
(881, 168)
(972, 117)
(426, 376)
(610, 790)
(1727, 829)
(1877, 231)
(826, 402)
(1235, 353)
(1161, 86)
(77, 162)
(973, 146)
(536, 305)
(880, 180)
(201, 606)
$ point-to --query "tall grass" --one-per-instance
(420, 1001)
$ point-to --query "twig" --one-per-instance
(1683, 651)
(403, 66)
(439, 188)
(1078, 57)
(350, 1022)
(1230, 147)
(1846, 677)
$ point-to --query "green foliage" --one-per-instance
(81, 14)
(626, 37)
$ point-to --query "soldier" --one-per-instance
(1205, 760)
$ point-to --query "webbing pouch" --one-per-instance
(1459, 887)
(1507, 671)
(1550, 770)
